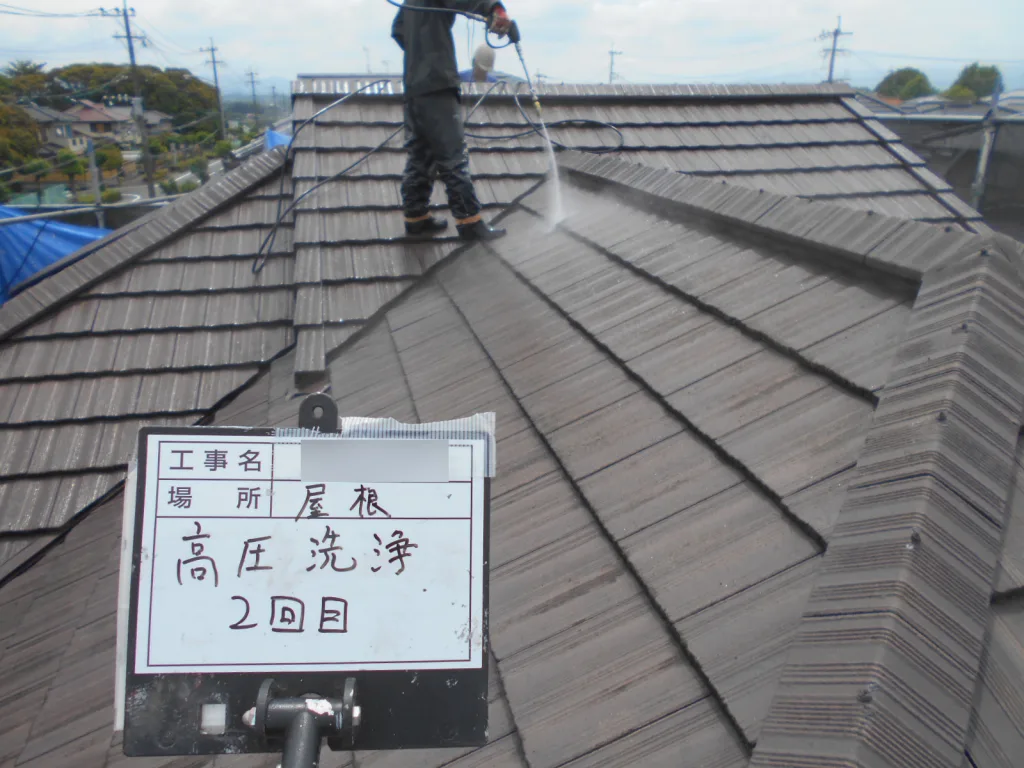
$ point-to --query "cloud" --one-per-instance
(661, 40)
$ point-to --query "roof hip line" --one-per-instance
(762, 338)
(709, 442)
(682, 648)
(893, 637)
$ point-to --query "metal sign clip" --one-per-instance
(305, 721)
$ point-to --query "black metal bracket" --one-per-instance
(305, 721)
(319, 412)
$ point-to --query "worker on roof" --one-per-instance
(483, 66)
(435, 134)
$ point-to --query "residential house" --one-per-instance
(56, 129)
(758, 400)
(158, 122)
(97, 121)
(950, 137)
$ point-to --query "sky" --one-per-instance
(661, 41)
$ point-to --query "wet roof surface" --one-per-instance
(685, 377)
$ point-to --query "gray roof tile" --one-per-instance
(716, 548)
(822, 434)
(742, 642)
(693, 734)
(619, 685)
(630, 660)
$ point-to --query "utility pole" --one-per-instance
(835, 34)
(212, 50)
(611, 70)
(369, 64)
(251, 75)
(94, 178)
(138, 109)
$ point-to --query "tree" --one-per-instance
(200, 167)
(916, 88)
(897, 84)
(981, 80)
(961, 94)
(19, 137)
(110, 158)
(72, 166)
(38, 169)
(177, 92)
(5, 193)
(6, 87)
(23, 67)
(222, 149)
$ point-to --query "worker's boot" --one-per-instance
(479, 230)
(425, 227)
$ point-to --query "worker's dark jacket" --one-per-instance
(429, 46)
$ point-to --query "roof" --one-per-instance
(758, 455)
(45, 114)
(91, 112)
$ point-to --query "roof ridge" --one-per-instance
(338, 85)
(97, 261)
(857, 238)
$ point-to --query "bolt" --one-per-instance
(984, 251)
(864, 697)
(915, 537)
(941, 418)
(249, 718)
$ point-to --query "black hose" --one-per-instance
(473, 17)
(261, 260)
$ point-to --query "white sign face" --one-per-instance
(251, 561)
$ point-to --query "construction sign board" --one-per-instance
(257, 554)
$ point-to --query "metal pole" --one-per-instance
(835, 46)
(94, 175)
(138, 110)
(83, 209)
(302, 742)
(216, 84)
(988, 144)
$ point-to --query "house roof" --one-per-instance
(45, 114)
(91, 112)
(732, 424)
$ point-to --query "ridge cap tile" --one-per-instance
(897, 619)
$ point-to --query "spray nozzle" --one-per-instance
(536, 105)
(513, 34)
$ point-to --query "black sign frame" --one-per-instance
(409, 709)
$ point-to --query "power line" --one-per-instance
(952, 59)
(14, 10)
(835, 34)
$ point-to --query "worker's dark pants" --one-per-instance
(436, 142)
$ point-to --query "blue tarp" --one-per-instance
(275, 139)
(27, 248)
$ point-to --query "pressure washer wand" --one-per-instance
(516, 39)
